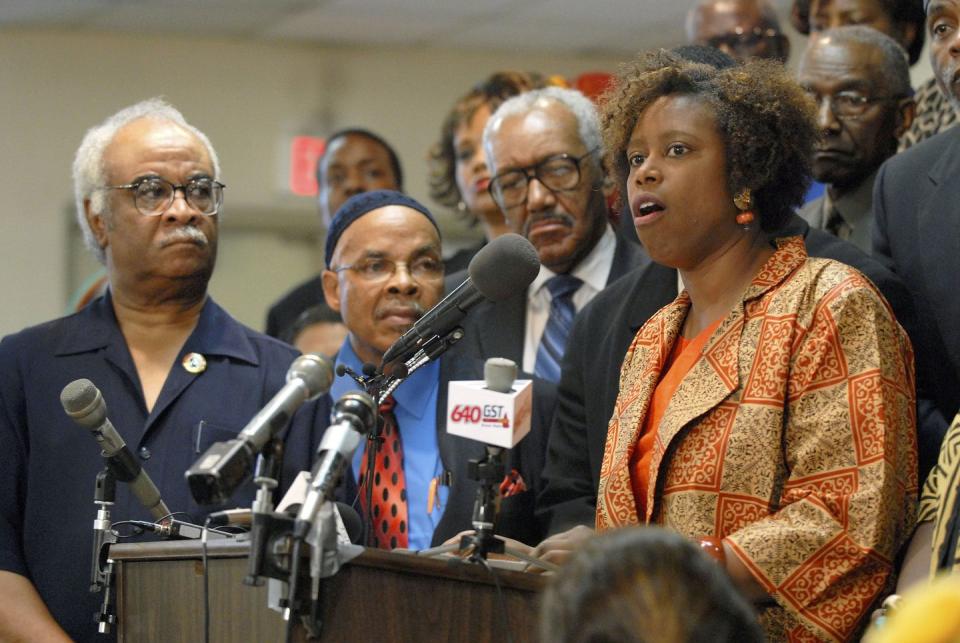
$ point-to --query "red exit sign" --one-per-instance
(304, 152)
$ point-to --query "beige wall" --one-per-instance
(249, 97)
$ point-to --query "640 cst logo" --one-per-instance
(489, 414)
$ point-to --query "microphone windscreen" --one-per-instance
(78, 395)
(504, 267)
(351, 522)
(81, 400)
(316, 371)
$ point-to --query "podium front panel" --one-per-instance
(380, 596)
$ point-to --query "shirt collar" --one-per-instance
(593, 270)
(216, 333)
(413, 394)
(856, 206)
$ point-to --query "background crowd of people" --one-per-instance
(743, 335)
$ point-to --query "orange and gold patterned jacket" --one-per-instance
(793, 438)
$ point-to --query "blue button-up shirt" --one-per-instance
(416, 413)
(48, 464)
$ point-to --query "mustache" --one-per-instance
(190, 234)
(414, 307)
(560, 217)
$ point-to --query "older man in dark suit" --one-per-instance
(546, 154)
(917, 227)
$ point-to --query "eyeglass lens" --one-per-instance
(556, 173)
(156, 195)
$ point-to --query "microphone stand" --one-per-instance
(101, 572)
(263, 525)
(488, 472)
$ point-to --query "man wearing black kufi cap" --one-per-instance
(384, 270)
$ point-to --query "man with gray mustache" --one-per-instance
(546, 155)
(176, 371)
(917, 225)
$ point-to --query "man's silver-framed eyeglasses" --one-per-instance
(375, 269)
(557, 173)
(848, 104)
(153, 195)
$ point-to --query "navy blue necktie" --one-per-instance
(554, 340)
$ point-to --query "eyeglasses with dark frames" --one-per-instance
(849, 104)
(557, 173)
(153, 195)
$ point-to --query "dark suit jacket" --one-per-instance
(516, 519)
(496, 329)
(590, 379)
(917, 235)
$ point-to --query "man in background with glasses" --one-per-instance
(177, 373)
(546, 155)
(860, 82)
(741, 29)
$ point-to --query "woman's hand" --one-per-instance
(558, 548)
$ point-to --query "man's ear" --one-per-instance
(98, 224)
(906, 111)
(331, 289)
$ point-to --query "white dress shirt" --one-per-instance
(593, 271)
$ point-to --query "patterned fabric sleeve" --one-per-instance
(934, 114)
(848, 502)
(940, 502)
(933, 487)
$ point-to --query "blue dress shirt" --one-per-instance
(416, 413)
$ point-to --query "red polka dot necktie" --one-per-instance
(389, 518)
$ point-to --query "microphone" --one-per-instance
(354, 415)
(496, 411)
(502, 268)
(225, 465)
(83, 402)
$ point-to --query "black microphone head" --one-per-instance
(82, 401)
(316, 371)
(368, 370)
(504, 267)
(351, 522)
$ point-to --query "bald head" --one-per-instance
(740, 28)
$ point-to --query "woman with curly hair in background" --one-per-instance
(459, 175)
(768, 412)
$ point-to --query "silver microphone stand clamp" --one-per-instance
(101, 572)
(266, 526)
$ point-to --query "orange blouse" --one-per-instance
(684, 355)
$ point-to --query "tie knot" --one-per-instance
(387, 404)
(562, 286)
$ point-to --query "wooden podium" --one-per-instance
(378, 596)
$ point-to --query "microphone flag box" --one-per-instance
(478, 413)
